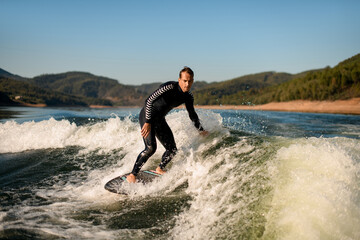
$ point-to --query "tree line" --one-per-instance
(339, 82)
(15, 92)
(84, 89)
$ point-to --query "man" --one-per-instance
(153, 123)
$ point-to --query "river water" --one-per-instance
(257, 175)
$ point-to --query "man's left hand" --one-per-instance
(204, 133)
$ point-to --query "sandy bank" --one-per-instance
(33, 105)
(351, 106)
(99, 106)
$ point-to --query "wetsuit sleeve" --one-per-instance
(192, 114)
(150, 100)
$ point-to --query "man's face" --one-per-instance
(185, 81)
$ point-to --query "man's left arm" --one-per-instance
(193, 115)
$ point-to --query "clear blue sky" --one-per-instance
(150, 41)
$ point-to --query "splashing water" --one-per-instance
(253, 177)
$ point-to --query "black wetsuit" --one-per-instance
(157, 105)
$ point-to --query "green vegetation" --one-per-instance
(16, 92)
(5, 100)
(340, 82)
(83, 89)
(90, 86)
(237, 90)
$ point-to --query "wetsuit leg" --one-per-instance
(166, 137)
(150, 146)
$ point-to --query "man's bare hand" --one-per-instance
(145, 130)
(204, 133)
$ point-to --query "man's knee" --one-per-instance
(169, 154)
(167, 157)
(173, 150)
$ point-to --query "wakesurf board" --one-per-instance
(115, 184)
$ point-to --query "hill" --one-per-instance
(149, 88)
(146, 88)
(82, 84)
(88, 85)
(15, 92)
(9, 75)
(338, 83)
(235, 90)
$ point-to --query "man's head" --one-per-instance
(186, 79)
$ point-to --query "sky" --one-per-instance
(138, 42)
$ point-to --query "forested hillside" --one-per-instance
(149, 88)
(5, 74)
(89, 85)
(339, 82)
(15, 92)
(236, 91)
(80, 88)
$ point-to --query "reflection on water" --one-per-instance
(7, 114)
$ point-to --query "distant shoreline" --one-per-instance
(104, 106)
(351, 106)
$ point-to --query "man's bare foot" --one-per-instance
(131, 178)
(159, 171)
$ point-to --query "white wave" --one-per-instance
(80, 194)
(316, 190)
(116, 134)
(315, 181)
(315, 193)
(221, 205)
(110, 134)
(187, 140)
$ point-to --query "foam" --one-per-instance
(314, 182)
(316, 191)
(110, 134)
(113, 133)
(218, 203)
(187, 139)
(79, 193)
(104, 137)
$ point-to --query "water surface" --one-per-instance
(258, 175)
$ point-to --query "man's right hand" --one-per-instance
(145, 130)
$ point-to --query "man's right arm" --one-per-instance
(150, 100)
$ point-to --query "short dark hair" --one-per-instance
(187, 70)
